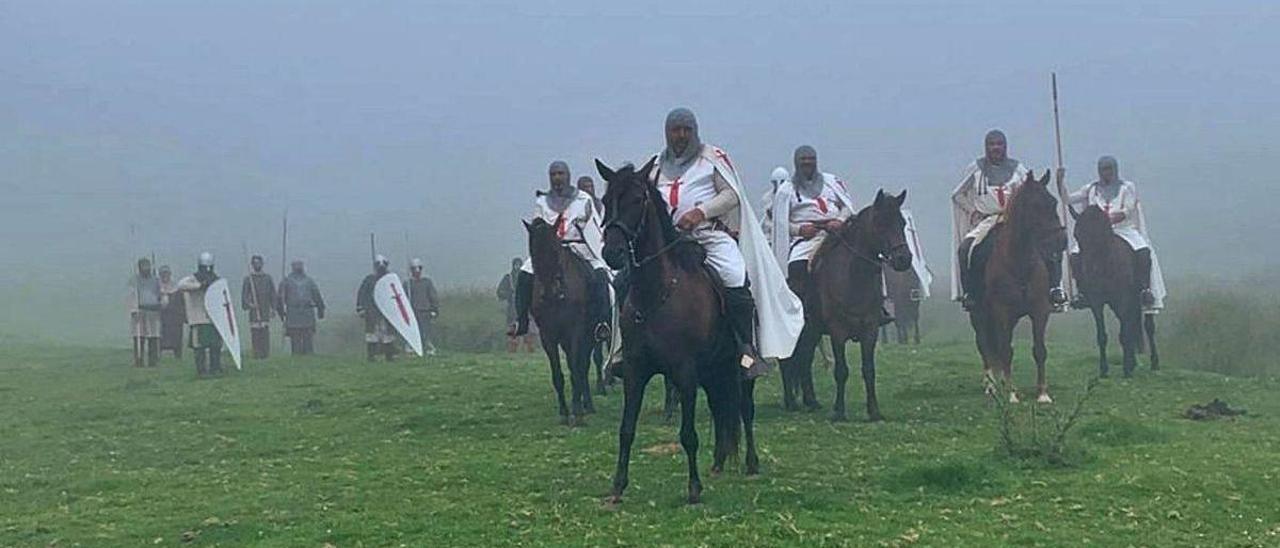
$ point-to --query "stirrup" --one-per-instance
(968, 303)
(601, 332)
(1057, 297)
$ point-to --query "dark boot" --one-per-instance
(370, 351)
(153, 352)
(524, 299)
(969, 294)
(742, 319)
(598, 294)
(1142, 277)
(389, 351)
(202, 360)
(1078, 301)
(138, 343)
(215, 360)
(1057, 296)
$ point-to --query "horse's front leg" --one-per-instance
(1149, 323)
(789, 384)
(633, 386)
(747, 405)
(1039, 324)
(810, 338)
(1130, 336)
(688, 391)
(869, 377)
(840, 370)
(557, 375)
(1100, 326)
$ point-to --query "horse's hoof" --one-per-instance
(753, 469)
(612, 501)
(1044, 398)
(839, 417)
(875, 417)
(716, 469)
(792, 406)
(1013, 397)
(1104, 375)
(812, 407)
(564, 420)
(695, 498)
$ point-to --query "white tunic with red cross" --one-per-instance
(977, 206)
(576, 222)
(832, 203)
(1132, 229)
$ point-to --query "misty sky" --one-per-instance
(129, 128)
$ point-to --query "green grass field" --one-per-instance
(466, 450)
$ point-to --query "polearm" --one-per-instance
(373, 249)
(1068, 281)
(284, 257)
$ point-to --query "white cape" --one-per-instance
(917, 254)
(779, 311)
(222, 314)
(393, 302)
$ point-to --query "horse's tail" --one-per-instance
(724, 397)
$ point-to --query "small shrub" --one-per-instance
(1035, 433)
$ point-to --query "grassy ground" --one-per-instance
(466, 450)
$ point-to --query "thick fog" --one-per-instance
(133, 128)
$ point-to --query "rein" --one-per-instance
(638, 262)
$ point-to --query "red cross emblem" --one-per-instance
(395, 294)
(822, 204)
(725, 158)
(560, 226)
(673, 197)
(226, 306)
(1000, 196)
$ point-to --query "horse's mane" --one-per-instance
(849, 232)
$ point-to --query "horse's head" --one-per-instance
(1093, 227)
(1033, 212)
(629, 196)
(544, 244)
(888, 226)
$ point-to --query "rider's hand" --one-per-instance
(808, 230)
(834, 225)
(1060, 175)
(691, 220)
(1115, 217)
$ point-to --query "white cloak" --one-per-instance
(976, 208)
(1133, 229)
(786, 248)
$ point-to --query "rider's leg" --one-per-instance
(968, 290)
(1142, 276)
(1056, 295)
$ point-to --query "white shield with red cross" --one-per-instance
(393, 303)
(222, 312)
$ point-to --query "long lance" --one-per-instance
(373, 249)
(284, 257)
(1067, 280)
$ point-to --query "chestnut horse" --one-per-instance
(1015, 279)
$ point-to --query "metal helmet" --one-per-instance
(206, 259)
(779, 175)
(381, 260)
(416, 263)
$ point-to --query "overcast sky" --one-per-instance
(128, 128)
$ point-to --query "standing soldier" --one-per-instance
(258, 296)
(507, 294)
(425, 303)
(205, 341)
(299, 304)
(379, 335)
(173, 315)
(145, 302)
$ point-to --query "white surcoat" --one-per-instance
(793, 210)
(977, 206)
(578, 221)
(779, 311)
(1133, 229)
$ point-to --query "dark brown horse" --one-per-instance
(1016, 281)
(1105, 272)
(904, 292)
(672, 324)
(559, 307)
(844, 299)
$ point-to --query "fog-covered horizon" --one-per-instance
(134, 128)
